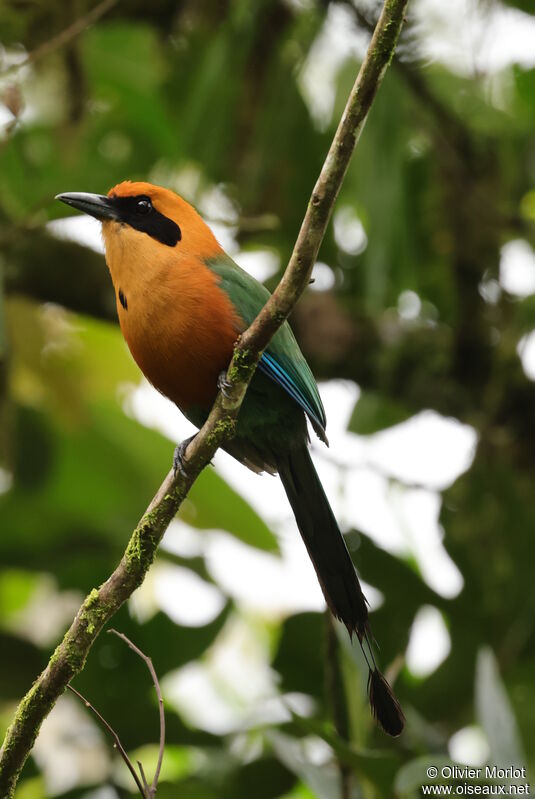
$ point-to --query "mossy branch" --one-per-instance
(101, 604)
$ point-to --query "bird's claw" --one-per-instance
(224, 385)
(179, 455)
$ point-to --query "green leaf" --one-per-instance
(414, 774)
(126, 67)
(322, 780)
(299, 658)
(178, 762)
(495, 713)
(523, 5)
(16, 588)
(379, 767)
(19, 669)
(374, 412)
(212, 503)
(33, 788)
(193, 788)
(122, 463)
(299, 792)
(262, 779)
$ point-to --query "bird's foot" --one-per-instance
(223, 385)
(179, 455)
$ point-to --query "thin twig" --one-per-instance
(148, 790)
(154, 676)
(118, 744)
(102, 603)
(64, 37)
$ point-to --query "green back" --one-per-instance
(283, 361)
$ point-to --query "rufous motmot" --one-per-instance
(182, 303)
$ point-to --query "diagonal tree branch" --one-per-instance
(101, 604)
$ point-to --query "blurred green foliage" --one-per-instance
(205, 96)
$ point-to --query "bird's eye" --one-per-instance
(144, 206)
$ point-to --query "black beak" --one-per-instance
(96, 205)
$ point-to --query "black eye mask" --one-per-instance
(138, 212)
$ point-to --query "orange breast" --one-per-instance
(182, 352)
(179, 325)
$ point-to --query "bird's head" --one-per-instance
(142, 217)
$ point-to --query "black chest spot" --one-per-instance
(122, 300)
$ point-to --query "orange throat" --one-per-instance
(178, 323)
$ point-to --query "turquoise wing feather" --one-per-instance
(282, 360)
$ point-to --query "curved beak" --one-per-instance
(97, 205)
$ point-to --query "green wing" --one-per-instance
(282, 360)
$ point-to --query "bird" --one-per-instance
(182, 302)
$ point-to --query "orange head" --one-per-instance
(174, 316)
(147, 219)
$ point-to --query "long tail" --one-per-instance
(336, 573)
